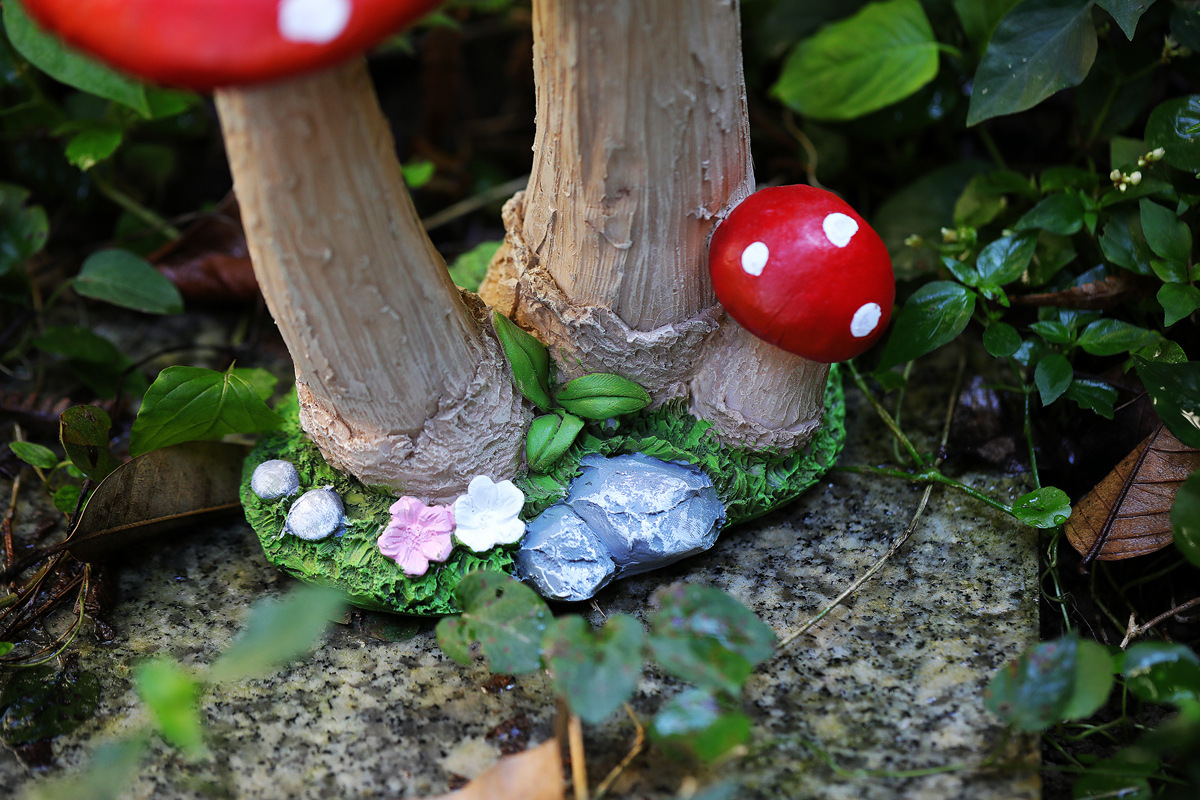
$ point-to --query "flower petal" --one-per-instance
(508, 531)
(509, 499)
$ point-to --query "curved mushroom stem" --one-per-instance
(642, 145)
(400, 383)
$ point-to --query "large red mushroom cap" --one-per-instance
(203, 44)
(799, 268)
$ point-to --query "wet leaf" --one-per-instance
(1128, 513)
(703, 636)
(504, 617)
(127, 280)
(278, 631)
(1178, 301)
(698, 724)
(84, 433)
(1109, 337)
(172, 696)
(595, 671)
(534, 774)
(39, 703)
(1060, 213)
(1172, 126)
(170, 488)
(1003, 261)
(1047, 507)
(933, 316)
(529, 360)
(1175, 391)
(1067, 678)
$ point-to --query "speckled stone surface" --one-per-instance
(888, 683)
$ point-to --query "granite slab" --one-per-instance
(881, 699)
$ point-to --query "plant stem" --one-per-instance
(929, 475)
(884, 415)
(134, 207)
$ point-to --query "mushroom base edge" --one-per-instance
(749, 483)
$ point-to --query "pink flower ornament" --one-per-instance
(416, 535)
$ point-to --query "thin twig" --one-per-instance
(474, 203)
(578, 760)
(9, 517)
(639, 742)
(1134, 631)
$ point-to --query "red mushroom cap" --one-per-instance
(799, 268)
(202, 44)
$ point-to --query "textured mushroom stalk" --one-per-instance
(642, 145)
(400, 382)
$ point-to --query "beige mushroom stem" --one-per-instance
(400, 381)
(642, 147)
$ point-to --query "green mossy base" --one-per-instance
(750, 484)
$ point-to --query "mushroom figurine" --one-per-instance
(400, 380)
(799, 268)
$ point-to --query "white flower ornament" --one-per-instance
(486, 515)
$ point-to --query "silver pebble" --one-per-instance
(274, 479)
(317, 514)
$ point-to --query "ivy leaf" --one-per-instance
(696, 723)
(595, 672)
(173, 699)
(1039, 47)
(505, 617)
(47, 53)
(1174, 390)
(1047, 507)
(934, 315)
(1162, 672)
(1052, 376)
(703, 636)
(190, 404)
(1067, 678)
(529, 360)
(1108, 337)
(278, 631)
(878, 56)
(126, 280)
(1185, 519)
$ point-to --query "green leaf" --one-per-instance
(504, 617)
(933, 316)
(1047, 507)
(470, 268)
(126, 280)
(172, 696)
(1173, 126)
(1108, 337)
(980, 17)
(1125, 246)
(23, 230)
(602, 395)
(1126, 13)
(703, 636)
(880, 55)
(1053, 331)
(549, 438)
(1123, 776)
(1060, 213)
(47, 53)
(88, 148)
(66, 498)
(1052, 376)
(1167, 235)
(981, 201)
(41, 703)
(278, 631)
(1162, 672)
(595, 672)
(1067, 678)
(85, 435)
(529, 360)
(1185, 519)
(1039, 47)
(1003, 261)
(418, 172)
(1178, 300)
(6, 648)
(112, 769)
(190, 404)
(1001, 339)
(697, 724)
(1174, 390)
(35, 455)
(1094, 395)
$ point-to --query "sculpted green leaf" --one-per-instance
(602, 395)
(549, 438)
(1126, 13)
(1162, 672)
(881, 55)
(34, 454)
(1109, 337)
(529, 360)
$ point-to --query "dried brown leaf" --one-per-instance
(535, 774)
(210, 262)
(176, 486)
(1128, 513)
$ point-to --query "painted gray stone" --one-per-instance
(562, 557)
(317, 514)
(274, 479)
(634, 512)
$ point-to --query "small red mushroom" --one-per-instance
(799, 268)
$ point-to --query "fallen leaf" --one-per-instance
(210, 262)
(1128, 513)
(535, 774)
(165, 489)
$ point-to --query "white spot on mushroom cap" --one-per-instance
(313, 21)
(839, 228)
(865, 320)
(754, 258)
